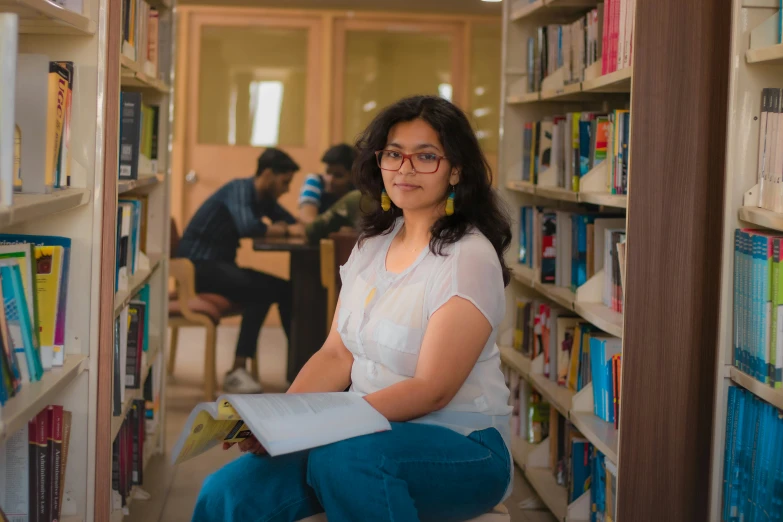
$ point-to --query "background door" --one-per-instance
(251, 80)
(378, 61)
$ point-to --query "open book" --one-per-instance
(282, 423)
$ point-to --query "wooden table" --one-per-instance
(308, 313)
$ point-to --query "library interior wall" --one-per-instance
(678, 135)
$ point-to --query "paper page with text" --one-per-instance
(285, 423)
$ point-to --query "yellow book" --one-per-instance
(48, 264)
(573, 366)
(57, 102)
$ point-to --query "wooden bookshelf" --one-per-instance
(766, 55)
(518, 362)
(618, 81)
(599, 432)
(752, 69)
(554, 496)
(529, 97)
(36, 396)
(604, 318)
(761, 217)
(135, 282)
(133, 75)
(558, 193)
(28, 207)
(604, 200)
(765, 392)
(145, 181)
(47, 17)
(559, 397)
(522, 9)
(86, 213)
(520, 449)
(563, 194)
(593, 93)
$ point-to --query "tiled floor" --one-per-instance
(173, 489)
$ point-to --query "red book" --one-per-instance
(32, 476)
(55, 447)
(42, 434)
(605, 50)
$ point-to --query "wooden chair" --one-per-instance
(498, 514)
(187, 308)
(335, 251)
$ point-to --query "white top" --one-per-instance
(383, 316)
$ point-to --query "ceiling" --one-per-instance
(433, 6)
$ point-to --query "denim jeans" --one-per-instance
(415, 472)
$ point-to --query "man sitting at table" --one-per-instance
(320, 191)
(211, 240)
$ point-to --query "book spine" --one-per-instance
(42, 470)
(55, 459)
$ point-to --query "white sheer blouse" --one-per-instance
(383, 317)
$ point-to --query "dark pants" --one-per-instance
(255, 291)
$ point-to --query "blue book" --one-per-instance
(736, 293)
(20, 326)
(730, 446)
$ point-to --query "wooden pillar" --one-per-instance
(678, 143)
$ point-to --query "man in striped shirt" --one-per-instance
(211, 240)
(321, 191)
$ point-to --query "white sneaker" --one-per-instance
(240, 381)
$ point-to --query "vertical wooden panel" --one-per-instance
(678, 135)
(111, 110)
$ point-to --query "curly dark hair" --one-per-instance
(476, 203)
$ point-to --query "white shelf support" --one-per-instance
(596, 179)
(579, 509)
(751, 197)
(539, 456)
(592, 290)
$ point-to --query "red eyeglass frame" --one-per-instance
(408, 157)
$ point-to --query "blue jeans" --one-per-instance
(415, 472)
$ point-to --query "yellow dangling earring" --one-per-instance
(385, 201)
(450, 203)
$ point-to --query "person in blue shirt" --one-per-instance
(321, 191)
(211, 240)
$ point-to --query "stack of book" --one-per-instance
(566, 148)
(753, 462)
(139, 124)
(758, 303)
(42, 134)
(530, 412)
(34, 289)
(602, 36)
(34, 460)
(770, 163)
(569, 248)
(131, 342)
(131, 238)
(128, 455)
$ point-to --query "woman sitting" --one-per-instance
(414, 333)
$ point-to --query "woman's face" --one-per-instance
(411, 189)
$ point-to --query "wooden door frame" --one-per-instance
(194, 21)
(343, 24)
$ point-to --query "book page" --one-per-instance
(284, 423)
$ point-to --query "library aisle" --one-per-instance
(174, 489)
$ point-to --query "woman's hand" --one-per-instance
(250, 444)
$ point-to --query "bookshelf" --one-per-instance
(91, 34)
(587, 91)
(756, 57)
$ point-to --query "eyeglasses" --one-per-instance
(422, 162)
